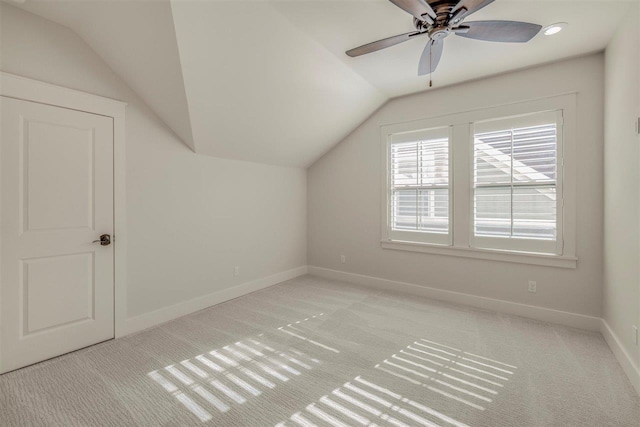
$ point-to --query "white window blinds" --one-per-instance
(516, 179)
(419, 183)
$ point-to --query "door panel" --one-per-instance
(57, 197)
(45, 279)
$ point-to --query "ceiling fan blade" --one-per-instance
(471, 6)
(417, 8)
(430, 57)
(381, 44)
(501, 31)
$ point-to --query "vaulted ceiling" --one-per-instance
(268, 81)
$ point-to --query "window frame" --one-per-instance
(420, 236)
(517, 244)
(462, 241)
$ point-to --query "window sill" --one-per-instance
(486, 254)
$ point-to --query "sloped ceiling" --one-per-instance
(137, 39)
(260, 88)
(268, 81)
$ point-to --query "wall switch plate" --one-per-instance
(343, 259)
(533, 286)
(635, 334)
(236, 271)
(638, 126)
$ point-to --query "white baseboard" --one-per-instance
(626, 361)
(156, 317)
(539, 313)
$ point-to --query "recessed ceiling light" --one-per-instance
(554, 28)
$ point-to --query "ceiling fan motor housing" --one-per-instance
(440, 27)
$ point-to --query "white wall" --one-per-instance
(190, 218)
(344, 196)
(622, 185)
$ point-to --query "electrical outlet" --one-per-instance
(635, 334)
(533, 286)
(343, 259)
(236, 271)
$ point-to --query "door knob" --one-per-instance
(105, 240)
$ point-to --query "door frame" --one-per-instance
(26, 89)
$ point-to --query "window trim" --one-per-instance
(461, 242)
(420, 236)
(484, 254)
(545, 247)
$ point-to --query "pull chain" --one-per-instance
(430, 63)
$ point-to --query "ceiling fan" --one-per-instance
(437, 19)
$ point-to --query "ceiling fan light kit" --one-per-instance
(437, 19)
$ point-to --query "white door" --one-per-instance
(56, 180)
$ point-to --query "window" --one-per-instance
(497, 183)
(419, 183)
(515, 182)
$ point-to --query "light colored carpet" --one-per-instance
(316, 352)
